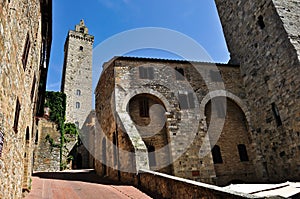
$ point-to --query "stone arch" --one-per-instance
(223, 93)
(149, 91)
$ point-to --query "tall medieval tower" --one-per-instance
(263, 37)
(77, 74)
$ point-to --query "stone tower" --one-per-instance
(77, 74)
(263, 38)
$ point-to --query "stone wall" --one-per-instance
(77, 74)
(24, 47)
(183, 134)
(263, 37)
(47, 153)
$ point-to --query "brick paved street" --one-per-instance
(84, 184)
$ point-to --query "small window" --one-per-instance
(243, 153)
(37, 137)
(33, 88)
(78, 92)
(186, 101)
(17, 114)
(151, 155)
(276, 115)
(261, 22)
(179, 73)
(81, 48)
(26, 52)
(81, 30)
(77, 105)
(1, 142)
(144, 107)
(27, 134)
(146, 72)
(216, 153)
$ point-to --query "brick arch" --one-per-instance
(149, 91)
(223, 93)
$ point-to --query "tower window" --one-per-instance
(77, 105)
(81, 48)
(179, 73)
(27, 134)
(144, 107)
(26, 52)
(243, 153)
(17, 114)
(78, 92)
(146, 72)
(276, 115)
(216, 153)
(33, 87)
(261, 22)
(81, 30)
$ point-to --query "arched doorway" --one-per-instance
(231, 152)
(148, 114)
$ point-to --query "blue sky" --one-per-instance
(196, 19)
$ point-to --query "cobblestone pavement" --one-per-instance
(83, 184)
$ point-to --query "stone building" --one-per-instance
(77, 74)
(156, 114)
(150, 116)
(263, 38)
(25, 42)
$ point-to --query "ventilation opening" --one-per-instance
(261, 22)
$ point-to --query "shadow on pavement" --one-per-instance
(83, 176)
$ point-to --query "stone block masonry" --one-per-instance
(263, 37)
(25, 40)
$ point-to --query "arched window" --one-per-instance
(243, 153)
(78, 92)
(81, 48)
(216, 153)
(77, 105)
(151, 155)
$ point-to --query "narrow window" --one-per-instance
(78, 92)
(26, 52)
(37, 137)
(276, 115)
(216, 153)
(146, 72)
(77, 105)
(27, 134)
(17, 114)
(215, 76)
(81, 48)
(243, 153)
(33, 87)
(151, 156)
(144, 107)
(1, 142)
(82, 30)
(115, 148)
(179, 73)
(261, 22)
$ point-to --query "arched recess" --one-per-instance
(234, 134)
(147, 112)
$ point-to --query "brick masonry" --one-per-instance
(24, 46)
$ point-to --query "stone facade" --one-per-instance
(77, 74)
(25, 41)
(47, 154)
(263, 38)
(155, 114)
